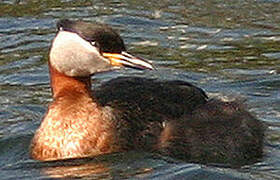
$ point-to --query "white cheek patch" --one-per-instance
(74, 56)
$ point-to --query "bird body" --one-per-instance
(173, 118)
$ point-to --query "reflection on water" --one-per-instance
(229, 48)
(77, 170)
(104, 167)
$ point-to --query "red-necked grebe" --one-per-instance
(173, 118)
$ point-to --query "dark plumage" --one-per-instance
(177, 119)
(104, 36)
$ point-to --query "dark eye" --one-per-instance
(93, 43)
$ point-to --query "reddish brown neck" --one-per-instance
(61, 84)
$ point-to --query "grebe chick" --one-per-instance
(173, 118)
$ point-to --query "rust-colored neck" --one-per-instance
(61, 84)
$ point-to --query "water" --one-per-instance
(229, 48)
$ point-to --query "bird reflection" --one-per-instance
(119, 165)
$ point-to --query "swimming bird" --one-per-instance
(172, 118)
